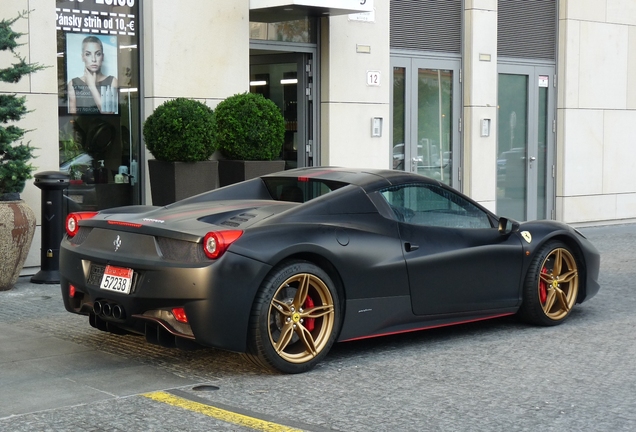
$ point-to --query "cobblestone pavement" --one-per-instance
(496, 375)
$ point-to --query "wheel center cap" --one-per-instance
(555, 284)
(296, 317)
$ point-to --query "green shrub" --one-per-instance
(15, 166)
(180, 130)
(249, 127)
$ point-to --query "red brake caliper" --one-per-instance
(309, 322)
(543, 287)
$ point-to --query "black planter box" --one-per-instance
(174, 181)
(234, 171)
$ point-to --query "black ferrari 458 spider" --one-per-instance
(281, 267)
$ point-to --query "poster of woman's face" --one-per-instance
(91, 66)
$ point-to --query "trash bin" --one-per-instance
(53, 184)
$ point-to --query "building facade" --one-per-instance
(526, 106)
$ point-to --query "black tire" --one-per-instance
(295, 318)
(551, 286)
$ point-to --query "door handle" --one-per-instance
(410, 247)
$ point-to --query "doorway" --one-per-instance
(287, 80)
(525, 142)
(425, 119)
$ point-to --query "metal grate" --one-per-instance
(426, 25)
(81, 235)
(236, 221)
(179, 250)
(527, 29)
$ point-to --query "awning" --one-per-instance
(287, 10)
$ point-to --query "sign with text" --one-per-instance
(373, 78)
(91, 68)
(112, 17)
(364, 16)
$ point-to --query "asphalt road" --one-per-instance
(59, 374)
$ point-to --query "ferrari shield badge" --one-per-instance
(526, 236)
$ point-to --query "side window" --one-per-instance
(434, 206)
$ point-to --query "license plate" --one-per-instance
(117, 279)
(96, 274)
(77, 198)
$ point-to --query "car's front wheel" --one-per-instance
(295, 318)
(551, 286)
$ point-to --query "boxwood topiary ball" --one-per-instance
(180, 130)
(249, 127)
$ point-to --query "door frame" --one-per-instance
(308, 90)
(411, 64)
(533, 70)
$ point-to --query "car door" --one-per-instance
(456, 260)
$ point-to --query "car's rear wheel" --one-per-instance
(551, 286)
(295, 318)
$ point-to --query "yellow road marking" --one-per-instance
(218, 413)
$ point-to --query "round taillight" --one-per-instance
(72, 221)
(210, 245)
(71, 225)
(216, 243)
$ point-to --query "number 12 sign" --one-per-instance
(373, 78)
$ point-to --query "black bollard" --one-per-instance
(52, 184)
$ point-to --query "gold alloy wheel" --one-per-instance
(558, 284)
(301, 318)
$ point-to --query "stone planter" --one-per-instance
(234, 171)
(174, 181)
(17, 226)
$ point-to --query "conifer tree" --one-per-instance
(15, 166)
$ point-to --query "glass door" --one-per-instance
(425, 117)
(284, 78)
(525, 142)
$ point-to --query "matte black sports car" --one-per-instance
(281, 267)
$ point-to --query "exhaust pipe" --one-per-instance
(118, 312)
(103, 308)
(107, 309)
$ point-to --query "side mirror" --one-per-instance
(507, 226)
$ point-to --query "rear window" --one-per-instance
(299, 190)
